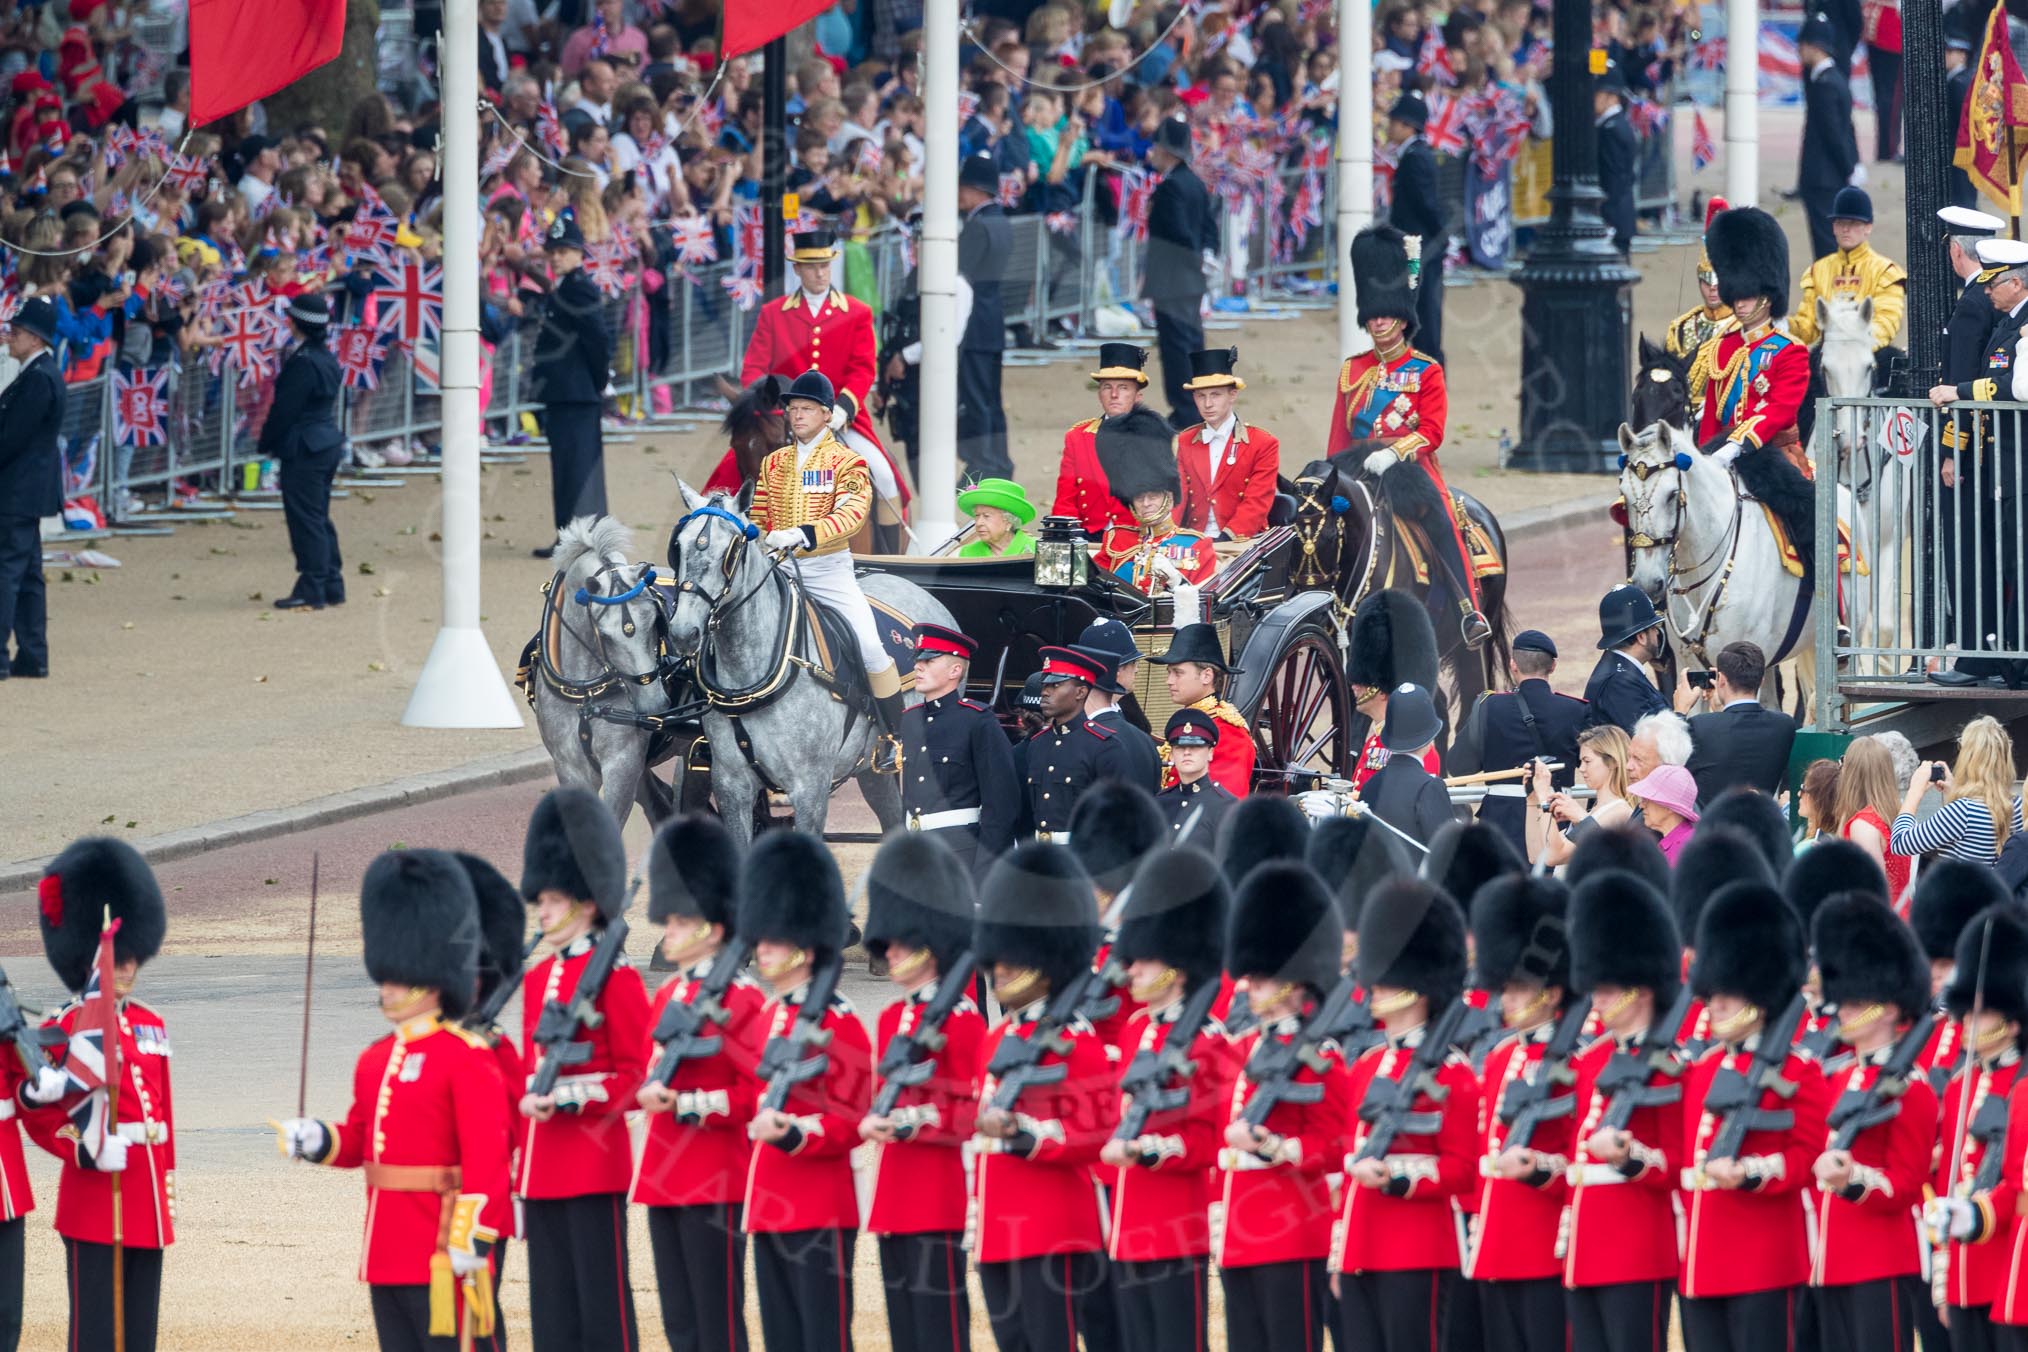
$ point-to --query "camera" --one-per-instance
(1936, 773)
(1701, 680)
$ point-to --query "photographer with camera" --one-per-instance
(1978, 811)
(1741, 741)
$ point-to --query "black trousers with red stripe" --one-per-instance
(1876, 1316)
(1033, 1303)
(1972, 1329)
(12, 1256)
(1622, 1317)
(700, 1275)
(579, 1298)
(1278, 1305)
(1396, 1311)
(805, 1282)
(929, 1308)
(1522, 1316)
(401, 1320)
(89, 1268)
(1164, 1304)
(1757, 1321)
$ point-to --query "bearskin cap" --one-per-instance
(1750, 254)
(1827, 869)
(2006, 952)
(1521, 933)
(1750, 943)
(1261, 827)
(574, 847)
(1711, 860)
(92, 875)
(420, 923)
(1625, 848)
(1353, 856)
(1623, 933)
(693, 869)
(1380, 275)
(1036, 910)
(1948, 894)
(1466, 855)
(1412, 937)
(920, 894)
(790, 891)
(1392, 641)
(503, 923)
(1760, 817)
(1285, 926)
(1112, 828)
(1137, 451)
(1865, 954)
(1177, 914)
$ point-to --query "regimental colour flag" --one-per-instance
(1994, 126)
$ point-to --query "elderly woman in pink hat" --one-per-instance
(1668, 798)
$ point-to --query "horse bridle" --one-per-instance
(610, 673)
(1680, 463)
(717, 608)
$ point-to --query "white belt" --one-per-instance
(938, 821)
(143, 1133)
(1506, 791)
(1593, 1175)
(1053, 837)
(6, 1109)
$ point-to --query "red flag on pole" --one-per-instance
(1995, 121)
(242, 50)
(752, 24)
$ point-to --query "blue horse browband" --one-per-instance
(585, 598)
(746, 528)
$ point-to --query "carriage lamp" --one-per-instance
(1060, 556)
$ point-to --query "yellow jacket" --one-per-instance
(1690, 335)
(1855, 274)
(829, 494)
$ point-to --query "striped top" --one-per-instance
(1960, 829)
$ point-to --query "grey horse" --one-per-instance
(731, 620)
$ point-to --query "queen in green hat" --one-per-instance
(999, 508)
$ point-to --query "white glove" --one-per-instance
(1166, 570)
(112, 1156)
(839, 417)
(47, 1087)
(1951, 1217)
(1379, 462)
(1727, 453)
(1858, 176)
(792, 538)
(465, 1262)
(304, 1138)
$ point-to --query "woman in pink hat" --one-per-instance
(1668, 798)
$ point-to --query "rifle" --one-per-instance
(1356, 1031)
(1479, 1028)
(1734, 1096)
(679, 1031)
(1989, 1129)
(557, 1028)
(487, 1016)
(908, 1059)
(1623, 1081)
(1529, 1103)
(29, 1040)
(1858, 1109)
(1821, 1041)
(1017, 1065)
(1239, 1017)
(1389, 1103)
(798, 1056)
(1158, 1081)
(1272, 1067)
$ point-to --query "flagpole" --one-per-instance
(461, 685)
(936, 497)
(1742, 102)
(1355, 159)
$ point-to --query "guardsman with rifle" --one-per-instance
(1048, 1103)
(428, 1123)
(584, 1030)
(1082, 488)
(132, 1167)
(1289, 1110)
(1197, 676)
(1413, 1151)
(1973, 1212)
(1753, 1122)
(1192, 737)
(1526, 1134)
(816, 1082)
(1071, 753)
(1392, 642)
(1619, 1244)
(1464, 856)
(1353, 856)
(704, 1041)
(919, 912)
(1115, 828)
(1870, 1261)
(957, 779)
(27, 1081)
(1175, 1093)
(1946, 896)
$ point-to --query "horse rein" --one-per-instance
(1728, 545)
(781, 667)
(610, 675)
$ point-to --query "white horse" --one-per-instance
(1707, 558)
(1848, 360)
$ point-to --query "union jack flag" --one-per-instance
(606, 265)
(247, 345)
(189, 173)
(1702, 151)
(549, 127)
(1433, 62)
(1061, 222)
(92, 1056)
(692, 236)
(119, 141)
(10, 305)
(361, 352)
(1137, 189)
(711, 117)
(968, 103)
(372, 230)
(747, 240)
(141, 407)
(745, 291)
(1445, 130)
(1647, 116)
(602, 36)
(170, 291)
(1709, 53)
(415, 296)
(497, 162)
(869, 157)
(1011, 188)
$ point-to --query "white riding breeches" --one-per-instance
(828, 578)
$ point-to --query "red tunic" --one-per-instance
(582, 1153)
(507, 1060)
(1127, 551)
(1379, 1232)
(1239, 490)
(17, 1199)
(1082, 489)
(1045, 1202)
(788, 340)
(1622, 1228)
(1745, 1240)
(919, 1183)
(1163, 1210)
(1977, 1270)
(1282, 1213)
(2010, 1301)
(703, 1165)
(1516, 1236)
(1945, 1054)
(1878, 1236)
(84, 1196)
(425, 1096)
(811, 1187)
(1756, 389)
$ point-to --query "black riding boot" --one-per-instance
(1448, 581)
(887, 751)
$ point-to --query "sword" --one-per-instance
(1359, 809)
(309, 970)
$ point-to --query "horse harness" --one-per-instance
(590, 695)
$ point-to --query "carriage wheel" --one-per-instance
(1302, 727)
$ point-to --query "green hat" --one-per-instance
(1005, 494)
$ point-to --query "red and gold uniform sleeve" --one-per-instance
(1432, 402)
(624, 1002)
(1340, 433)
(1896, 1182)
(760, 349)
(1192, 1136)
(480, 1115)
(829, 1111)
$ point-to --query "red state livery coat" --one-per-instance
(1277, 1212)
(584, 1149)
(1238, 490)
(17, 1199)
(1623, 1217)
(1876, 1234)
(705, 1164)
(1082, 489)
(1044, 1202)
(1758, 385)
(1408, 1226)
(788, 340)
(1162, 1210)
(1975, 1270)
(1518, 1220)
(919, 1183)
(1753, 1238)
(809, 1186)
